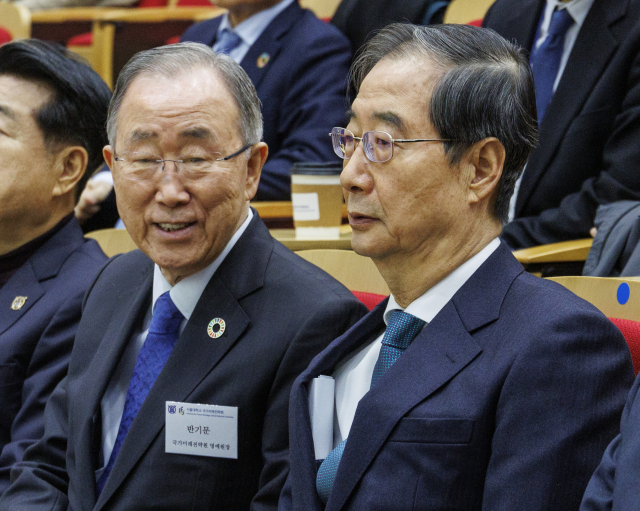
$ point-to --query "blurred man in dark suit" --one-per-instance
(53, 110)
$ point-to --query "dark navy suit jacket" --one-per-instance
(615, 485)
(505, 401)
(588, 152)
(280, 311)
(36, 340)
(301, 89)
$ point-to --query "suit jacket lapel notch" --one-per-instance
(584, 68)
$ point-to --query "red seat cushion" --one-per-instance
(369, 299)
(85, 39)
(5, 36)
(173, 40)
(631, 331)
(476, 23)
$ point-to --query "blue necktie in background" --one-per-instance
(545, 60)
(401, 330)
(163, 334)
(227, 42)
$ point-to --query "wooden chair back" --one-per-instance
(618, 299)
(355, 272)
(15, 20)
(461, 12)
(113, 241)
(323, 9)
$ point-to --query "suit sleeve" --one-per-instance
(558, 409)
(40, 481)
(599, 493)
(618, 178)
(47, 367)
(313, 101)
(315, 334)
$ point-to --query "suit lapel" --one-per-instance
(521, 25)
(131, 304)
(260, 57)
(439, 352)
(443, 349)
(196, 354)
(302, 453)
(584, 68)
(42, 265)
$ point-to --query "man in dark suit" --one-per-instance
(52, 114)
(299, 67)
(587, 152)
(197, 338)
(510, 386)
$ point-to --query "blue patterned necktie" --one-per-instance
(227, 42)
(545, 60)
(401, 330)
(162, 337)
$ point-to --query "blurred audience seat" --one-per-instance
(618, 299)
(555, 259)
(463, 12)
(15, 22)
(113, 241)
(359, 274)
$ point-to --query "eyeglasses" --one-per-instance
(377, 145)
(138, 165)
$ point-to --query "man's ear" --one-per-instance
(485, 160)
(259, 153)
(109, 154)
(71, 163)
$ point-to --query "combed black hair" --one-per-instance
(77, 111)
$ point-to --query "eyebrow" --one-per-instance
(386, 117)
(7, 112)
(198, 133)
(140, 136)
(389, 118)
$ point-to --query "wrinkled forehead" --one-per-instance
(196, 105)
(397, 94)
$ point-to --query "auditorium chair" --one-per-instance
(357, 273)
(113, 241)
(15, 22)
(463, 12)
(555, 259)
(616, 298)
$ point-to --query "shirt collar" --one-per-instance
(578, 9)
(186, 293)
(427, 306)
(251, 28)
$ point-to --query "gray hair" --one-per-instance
(175, 59)
(485, 90)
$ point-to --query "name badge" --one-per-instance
(201, 430)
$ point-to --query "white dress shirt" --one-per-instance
(353, 375)
(250, 29)
(185, 295)
(578, 9)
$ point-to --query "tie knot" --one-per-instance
(228, 41)
(561, 20)
(401, 329)
(166, 317)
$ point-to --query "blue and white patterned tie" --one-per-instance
(545, 60)
(401, 330)
(163, 334)
(227, 42)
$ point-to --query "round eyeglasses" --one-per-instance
(141, 166)
(377, 145)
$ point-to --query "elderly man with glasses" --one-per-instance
(475, 385)
(178, 386)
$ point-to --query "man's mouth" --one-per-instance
(169, 227)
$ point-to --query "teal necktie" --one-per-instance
(401, 330)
